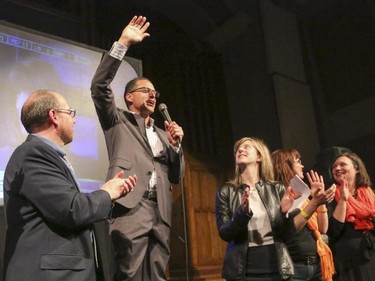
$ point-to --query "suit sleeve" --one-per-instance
(101, 92)
(176, 166)
(46, 184)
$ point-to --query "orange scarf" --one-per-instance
(360, 210)
(326, 259)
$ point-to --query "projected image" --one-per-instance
(31, 61)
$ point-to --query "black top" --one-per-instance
(353, 250)
(302, 244)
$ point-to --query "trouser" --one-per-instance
(141, 242)
(306, 272)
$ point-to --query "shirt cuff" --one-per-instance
(118, 51)
(176, 149)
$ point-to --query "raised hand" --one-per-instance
(135, 31)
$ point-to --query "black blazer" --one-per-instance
(48, 236)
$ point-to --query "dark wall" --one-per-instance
(339, 44)
(216, 84)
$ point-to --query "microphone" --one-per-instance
(164, 111)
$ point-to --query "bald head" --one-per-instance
(34, 113)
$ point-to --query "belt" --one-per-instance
(308, 260)
(150, 195)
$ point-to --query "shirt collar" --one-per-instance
(57, 148)
(152, 121)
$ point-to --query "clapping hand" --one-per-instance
(118, 187)
(245, 200)
(344, 192)
(288, 199)
(316, 182)
(318, 193)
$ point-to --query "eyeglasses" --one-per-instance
(146, 90)
(70, 111)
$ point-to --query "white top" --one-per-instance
(259, 225)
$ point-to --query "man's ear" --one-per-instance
(52, 116)
(128, 97)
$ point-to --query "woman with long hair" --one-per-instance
(311, 256)
(250, 213)
(352, 213)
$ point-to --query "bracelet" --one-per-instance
(321, 211)
(305, 215)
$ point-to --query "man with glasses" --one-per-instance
(49, 221)
(141, 221)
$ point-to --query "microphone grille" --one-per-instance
(162, 107)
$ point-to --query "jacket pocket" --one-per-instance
(121, 163)
(55, 261)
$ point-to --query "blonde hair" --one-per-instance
(266, 172)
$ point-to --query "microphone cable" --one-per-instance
(185, 229)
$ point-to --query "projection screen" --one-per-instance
(30, 60)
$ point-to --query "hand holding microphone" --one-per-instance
(174, 132)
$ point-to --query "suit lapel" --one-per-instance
(72, 173)
(139, 124)
(69, 172)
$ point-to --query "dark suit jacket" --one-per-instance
(48, 219)
(128, 147)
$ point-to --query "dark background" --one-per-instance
(209, 61)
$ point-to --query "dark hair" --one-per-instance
(283, 160)
(34, 112)
(362, 178)
(130, 86)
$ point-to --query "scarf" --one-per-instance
(360, 210)
(326, 259)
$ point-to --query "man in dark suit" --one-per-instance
(141, 222)
(49, 222)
